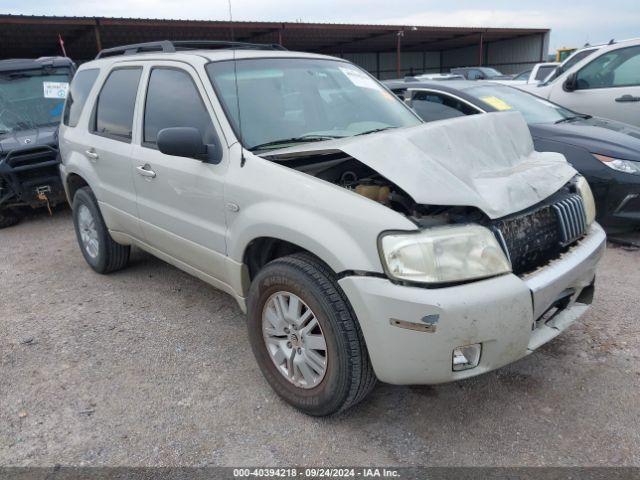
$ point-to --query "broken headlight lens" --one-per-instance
(443, 254)
(625, 166)
(587, 197)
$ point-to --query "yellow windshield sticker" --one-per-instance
(497, 103)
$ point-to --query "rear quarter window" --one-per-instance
(78, 93)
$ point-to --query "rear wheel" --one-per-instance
(306, 338)
(8, 218)
(100, 251)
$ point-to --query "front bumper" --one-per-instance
(500, 313)
(29, 177)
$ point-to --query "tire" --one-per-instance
(348, 375)
(8, 219)
(101, 252)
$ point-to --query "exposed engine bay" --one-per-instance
(351, 174)
(530, 237)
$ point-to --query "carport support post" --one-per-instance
(96, 31)
(399, 35)
(480, 52)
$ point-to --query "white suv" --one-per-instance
(361, 242)
(604, 83)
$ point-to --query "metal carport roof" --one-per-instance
(33, 36)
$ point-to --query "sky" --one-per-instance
(573, 23)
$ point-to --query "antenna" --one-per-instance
(235, 78)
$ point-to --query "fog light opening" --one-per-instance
(466, 357)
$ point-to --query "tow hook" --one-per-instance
(41, 194)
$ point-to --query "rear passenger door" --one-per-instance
(180, 205)
(109, 146)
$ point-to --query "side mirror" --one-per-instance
(187, 142)
(181, 142)
(571, 83)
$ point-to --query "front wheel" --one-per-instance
(306, 338)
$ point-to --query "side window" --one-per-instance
(173, 101)
(618, 68)
(628, 72)
(543, 72)
(523, 75)
(475, 75)
(113, 115)
(78, 93)
(400, 93)
(432, 106)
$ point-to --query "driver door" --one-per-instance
(180, 200)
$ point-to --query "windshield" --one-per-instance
(570, 62)
(32, 98)
(288, 101)
(533, 109)
(491, 72)
(544, 71)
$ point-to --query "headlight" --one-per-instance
(625, 166)
(443, 254)
(587, 197)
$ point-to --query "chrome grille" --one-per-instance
(572, 219)
(534, 237)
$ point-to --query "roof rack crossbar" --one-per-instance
(168, 46)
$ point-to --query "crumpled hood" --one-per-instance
(486, 161)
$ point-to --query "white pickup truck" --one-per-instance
(605, 83)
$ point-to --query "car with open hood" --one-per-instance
(605, 152)
(362, 243)
(32, 94)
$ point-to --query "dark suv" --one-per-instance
(32, 95)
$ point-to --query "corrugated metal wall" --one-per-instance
(383, 65)
(508, 56)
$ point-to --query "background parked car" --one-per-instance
(480, 73)
(534, 76)
(437, 76)
(32, 94)
(606, 152)
(605, 83)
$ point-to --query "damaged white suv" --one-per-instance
(362, 243)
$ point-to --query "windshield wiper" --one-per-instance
(572, 118)
(301, 139)
(375, 130)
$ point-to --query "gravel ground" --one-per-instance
(150, 366)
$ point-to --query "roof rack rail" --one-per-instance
(169, 46)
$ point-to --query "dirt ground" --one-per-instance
(150, 366)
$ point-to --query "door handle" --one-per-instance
(92, 155)
(145, 171)
(627, 98)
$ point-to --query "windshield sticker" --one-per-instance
(55, 89)
(497, 103)
(359, 79)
